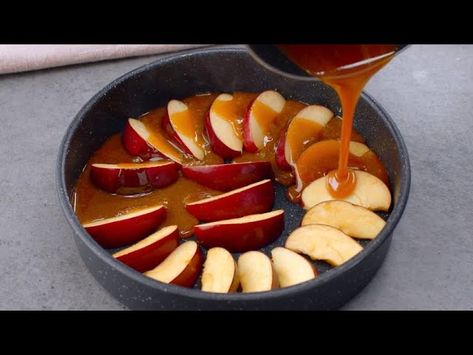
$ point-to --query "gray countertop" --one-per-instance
(428, 90)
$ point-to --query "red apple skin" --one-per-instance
(173, 136)
(137, 146)
(111, 179)
(280, 154)
(217, 145)
(127, 231)
(227, 177)
(163, 176)
(189, 275)
(152, 255)
(248, 143)
(257, 199)
(105, 179)
(241, 237)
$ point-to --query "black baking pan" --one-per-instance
(224, 69)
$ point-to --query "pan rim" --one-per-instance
(328, 276)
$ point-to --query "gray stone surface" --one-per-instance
(427, 90)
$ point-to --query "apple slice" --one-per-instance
(370, 192)
(138, 140)
(251, 199)
(291, 268)
(111, 177)
(128, 228)
(171, 134)
(256, 272)
(358, 149)
(181, 267)
(355, 221)
(322, 157)
(258, 118)
(183, 123)
(151, 251)
(280, 153)
(220, 272)
(134, 140)
(223, 127)
(303, 130)
(226, 177)
(241, 234)
(322, 242)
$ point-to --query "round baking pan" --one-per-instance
(224, 69)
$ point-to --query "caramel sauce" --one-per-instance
(264, 115)
(199, 105)
(320, 159)
(333, 128)
(341, 187)
(231, 111)
(159, 139)
(346, 68)
(186, 123)
(198, 108)
(303, 133)
(274, 130)
(91, 203)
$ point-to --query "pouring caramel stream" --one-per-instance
(347, 69)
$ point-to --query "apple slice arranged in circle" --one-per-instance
(138, 140)
(220, 272)
(355, 221)
(369, 192)
(226, 177)
(291, 267)
(241, 234)
(126, 229)
(302, 131)
(322, 157)
(280, 153)
(181, 267)
(223, 127)
(111, 177)
(259, 117)
(180, 123)
(134, 140)
(322, 242)
(256, 272)
(151, 251)
(251, 199)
